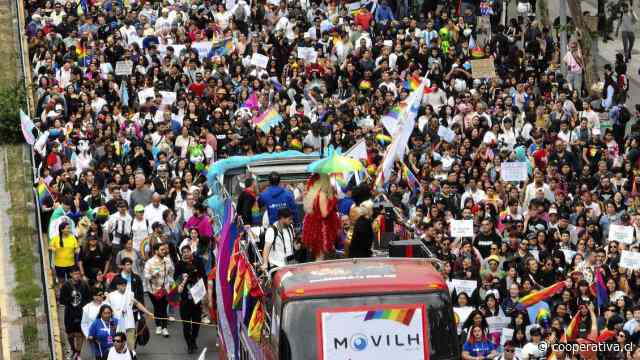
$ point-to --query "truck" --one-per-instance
(346, 308)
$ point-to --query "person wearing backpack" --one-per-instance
(279, 248)
(120, 350)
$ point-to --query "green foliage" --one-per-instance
(12, 99)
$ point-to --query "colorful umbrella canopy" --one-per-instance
(334, 163)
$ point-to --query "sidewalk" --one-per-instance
(606, 52)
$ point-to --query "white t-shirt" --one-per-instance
(122, 305)
(139, 230)
(281, 245)
(126, 355)
(154, 214)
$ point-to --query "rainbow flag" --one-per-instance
(229, 234)
(382, 138)
(222, 48)
(412, 84)
(242, 283)
(402, 316)
(365, 85)
(602, 296)
(256, 322)
(42, 190)
(408, 176)
(84, 58)
(572, 330)
(173, 296)
(267, 120)
(543, 316)
(233, 262)
(537, 296)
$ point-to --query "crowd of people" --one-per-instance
(135, 99)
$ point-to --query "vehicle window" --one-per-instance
(300, 328)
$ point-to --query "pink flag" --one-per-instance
(252, 102)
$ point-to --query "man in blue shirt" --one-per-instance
(276, 197)
(383, 12)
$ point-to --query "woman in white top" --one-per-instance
(140, 227)
(91, 310)
(183, 141)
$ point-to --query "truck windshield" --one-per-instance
(299, 334)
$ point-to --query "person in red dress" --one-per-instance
(321, 225)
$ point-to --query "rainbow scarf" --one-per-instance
(537, 296)
(403, 316)
(267, 120)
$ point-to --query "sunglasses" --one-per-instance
(117, 340)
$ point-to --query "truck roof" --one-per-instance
(357, 276)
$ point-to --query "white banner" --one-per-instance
(202, 47)
(630, 260)
(621, 233)
(307, 54)
(146, 93)
(168, 97)
(507, 334)
(497, 323)
(514, 171)
(461, 228)
(372, 332)
(466, 286)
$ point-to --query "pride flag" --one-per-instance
(42, 190)
(408, 176)
(402, 316)
(26, 125)
(222, 48)
(267, 120)
(572, 329)
(173, 296)
(229, 235)
(242, 283)
(412, 84)
(537, 296)
(256, 322)
(252, 102)
(602, 296)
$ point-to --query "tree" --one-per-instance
(586, 39)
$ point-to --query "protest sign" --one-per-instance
(630, 260)
(464, 286)
(146, 93)
(168, 97)
(202, 48)
(621, 233)
(514, 171)
(483, 68)
(259, 60)
(124, 68)
(462, 228)
(198, 291)
(308, 54)
(497, 323)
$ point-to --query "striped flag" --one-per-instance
(42, 190)
(27, 128)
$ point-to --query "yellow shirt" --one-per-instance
(65, 255)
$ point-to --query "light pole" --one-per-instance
(563, 36)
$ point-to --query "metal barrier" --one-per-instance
(49, 303)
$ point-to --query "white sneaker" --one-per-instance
(165, 332)
(172, 318)
(205, 320)
(158, 330)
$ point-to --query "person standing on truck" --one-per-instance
(279, 241)
(248, 207)
(276, 197)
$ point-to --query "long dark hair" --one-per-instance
(60, 227)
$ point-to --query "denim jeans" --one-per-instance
(628, 38)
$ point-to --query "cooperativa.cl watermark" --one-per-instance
(597, 347)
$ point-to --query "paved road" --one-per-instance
(171, 348)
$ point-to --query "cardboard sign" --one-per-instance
(124, 68)
(146, 93)
(372, 332)
(259, 60)
(168, 97)
(497, 323)
(514, 171)
(621, 233)
(483, 68)
(464, 286)
(461, 228)
(630, 260)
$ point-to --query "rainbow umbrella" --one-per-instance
(334, 163)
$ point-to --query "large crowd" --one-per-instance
(135, 99)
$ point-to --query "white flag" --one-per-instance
(358, 151)
(406, 123)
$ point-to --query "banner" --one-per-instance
(259, 60)
(464, 286)
(630, 260)
(621, 233)
(372, 332)
(124, 68)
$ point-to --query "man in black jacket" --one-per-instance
(189, 271)
(74, 295)
(247, 204)
(132, 279)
